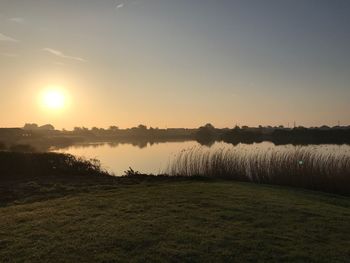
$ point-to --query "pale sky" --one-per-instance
(175, 63)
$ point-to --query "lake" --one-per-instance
(154, 158)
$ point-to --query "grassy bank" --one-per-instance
(178, 221)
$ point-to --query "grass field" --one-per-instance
(174, 220)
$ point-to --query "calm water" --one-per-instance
(117, 158)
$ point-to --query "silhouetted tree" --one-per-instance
(95, 129)
(81, 130)
(209, 126)
(30, 126)
(206, 134)
(113, 128)
(77, 129)
(47, 127)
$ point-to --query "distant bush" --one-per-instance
(298, 168)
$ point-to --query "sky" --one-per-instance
(183, 63)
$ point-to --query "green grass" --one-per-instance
(175, 220)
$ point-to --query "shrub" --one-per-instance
(18, 165)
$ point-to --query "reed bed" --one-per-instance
(298, 167)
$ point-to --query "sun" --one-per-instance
(54, 99)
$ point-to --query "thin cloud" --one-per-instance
(62, 55)
(121, 5)
(18, 20)
(7, 38)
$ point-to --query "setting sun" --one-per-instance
(53, 99)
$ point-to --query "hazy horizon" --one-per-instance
(289, 125)
(169, 63)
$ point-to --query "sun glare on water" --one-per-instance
(53, 99)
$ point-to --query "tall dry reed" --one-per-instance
(300, 167)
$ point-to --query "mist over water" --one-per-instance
(155, 158)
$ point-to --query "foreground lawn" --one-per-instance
(177, 221)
